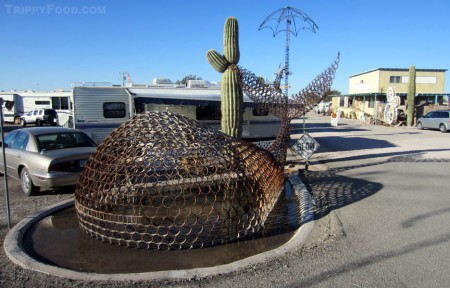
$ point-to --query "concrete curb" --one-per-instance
(15, 252)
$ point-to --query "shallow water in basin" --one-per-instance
(57, 240)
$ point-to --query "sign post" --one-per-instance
(5, 175)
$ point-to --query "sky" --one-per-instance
(47, 45)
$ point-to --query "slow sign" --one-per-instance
(306, 146)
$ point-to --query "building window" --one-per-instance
(114, 110)
(394, 79)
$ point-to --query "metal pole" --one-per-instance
(5, 175)
(286, 62)
(304, 131)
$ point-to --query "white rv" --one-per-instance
(99, 110)
(17, 103)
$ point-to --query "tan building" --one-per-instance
(367, 91)
(379, 80)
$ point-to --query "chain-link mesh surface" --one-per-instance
(163, 181)
(275, 102)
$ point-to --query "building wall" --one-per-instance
(378, 81)
(365, 83)
(426, 81)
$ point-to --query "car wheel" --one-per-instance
(27, 184)
(23, 122)
(442, 128)
(420, 126)
(38, 122)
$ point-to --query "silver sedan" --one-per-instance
(46, 156)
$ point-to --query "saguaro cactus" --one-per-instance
(231, 91)
(411, 95)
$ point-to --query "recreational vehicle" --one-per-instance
(99, 110)
(17, 103)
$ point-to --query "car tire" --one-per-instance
(420, 126)
(38, 122)
(27, 184)
(23, 122)
(442, 128)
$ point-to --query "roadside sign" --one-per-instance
(306, 146)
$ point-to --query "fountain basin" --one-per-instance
(51, 242)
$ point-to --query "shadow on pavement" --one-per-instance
(387, 154)
(332, 191)
(350, 143)
(297, 128)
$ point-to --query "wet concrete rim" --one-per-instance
(15, 250)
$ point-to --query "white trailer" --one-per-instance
(17, 103)
(99, 110)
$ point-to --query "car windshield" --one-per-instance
(63, 140)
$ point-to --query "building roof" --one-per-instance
(398, 94)
(400, 70)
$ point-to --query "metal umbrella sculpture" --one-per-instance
(163, 181)
(295, 20)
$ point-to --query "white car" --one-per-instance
(40, 117)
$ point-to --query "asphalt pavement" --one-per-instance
(389, 187)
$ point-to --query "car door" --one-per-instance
(14, 153)
(441, 117)
(436, 120)
(428, 120)
(28, 116)
(6, 144)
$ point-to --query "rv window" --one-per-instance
(114, 110)
(42, 102)
(208, 113)
(56, 103)
(65, 103)
(260, 111)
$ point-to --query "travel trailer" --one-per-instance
(17, 103)
(98, 110)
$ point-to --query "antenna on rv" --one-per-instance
(124, 77)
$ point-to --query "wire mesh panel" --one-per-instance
(163, 181)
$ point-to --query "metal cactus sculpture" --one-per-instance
(232, 96)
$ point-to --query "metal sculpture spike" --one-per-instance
(278, 104)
